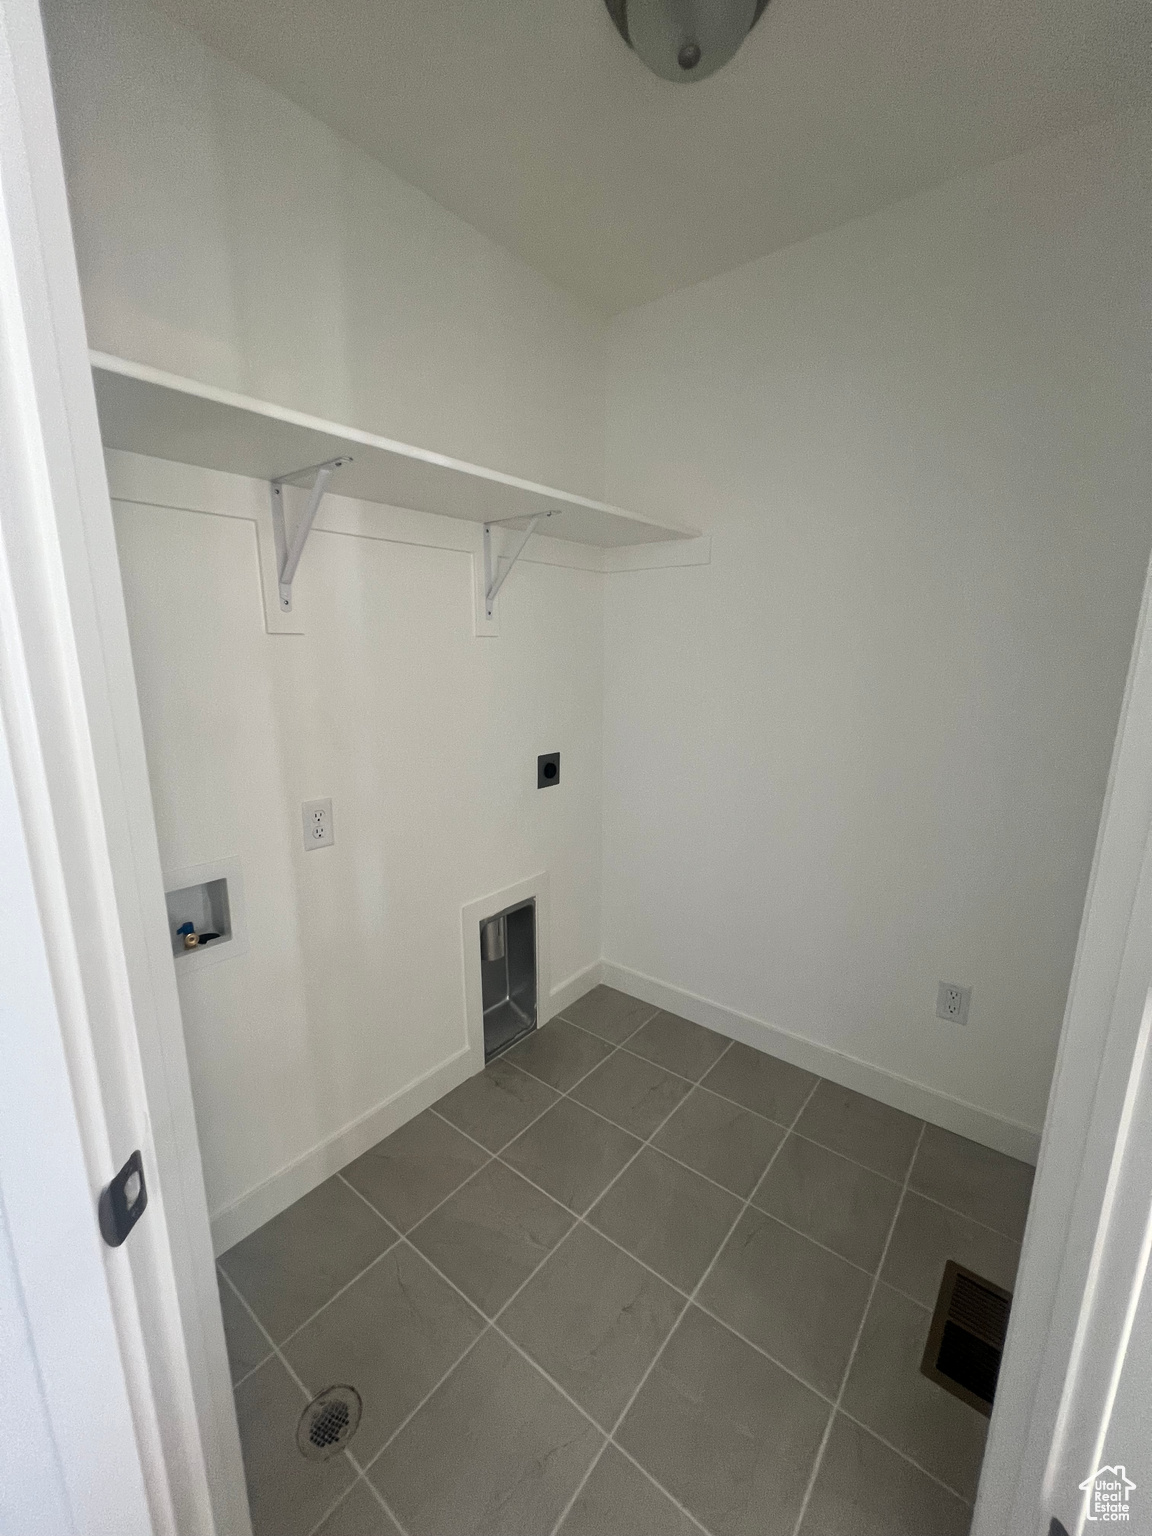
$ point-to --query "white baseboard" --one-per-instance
(566, 993)
(913, 1098)
(277, 1193)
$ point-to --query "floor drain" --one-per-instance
(328, 1423)
(966, 1339)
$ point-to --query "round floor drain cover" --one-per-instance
(328, 1423)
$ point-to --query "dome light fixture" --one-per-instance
(684, 40)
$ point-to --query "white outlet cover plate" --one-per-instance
(952, 1002)
(316, 816)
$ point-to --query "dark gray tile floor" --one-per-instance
(632, 1280)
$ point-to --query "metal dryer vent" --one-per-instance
(508, 976)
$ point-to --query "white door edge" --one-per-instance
(79, 775)
(1026, 1466)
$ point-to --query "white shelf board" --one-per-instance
(144, 410)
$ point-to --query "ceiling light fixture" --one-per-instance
(684, 40)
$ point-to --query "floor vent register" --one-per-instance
(966, 1339)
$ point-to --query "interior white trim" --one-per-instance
(259, 1204)
(565, 993)
(337, 1151)
(327, 1157)
(148, 410)
(899, 1092)
(152, 482)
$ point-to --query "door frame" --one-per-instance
(74, 736)
(1058, 1298)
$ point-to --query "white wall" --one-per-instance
(224, 234)
(426, 739)
(866, 748)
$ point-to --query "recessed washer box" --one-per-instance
(211, 898)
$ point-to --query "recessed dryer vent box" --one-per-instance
(508, 975)
(211, 898)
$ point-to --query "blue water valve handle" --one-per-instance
(185, 928)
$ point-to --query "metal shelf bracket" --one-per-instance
(494, 576)
(288, 554)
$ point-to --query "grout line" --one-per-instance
(236, 1385)
(579, 1218)
(702, 1085)
(587, 1031)
(494, 1327)
(379, 1497)
(275, 1347)
(347, 1494)
(716, 1184)
(847, 1158)
(924, 1306)
(627, 1455)
(855, 1345)
(683, 1311)
(983, 1225)
(433, 1389)
(288, 1337)
(357, 1469)
(904, 1456)
(582, 1221)
(704, 1088)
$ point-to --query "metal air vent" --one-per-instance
(966, 1339)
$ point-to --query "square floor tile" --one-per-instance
(864, 1489)
(729, 1434)
(974, 1180)
(618, 1500)
(887, 1393)
(496, 1104)
(571, 1153)
(559, 1054)
(666, 1215)
(247, 1346)
(799, 1302)
(594, 1319)
(762, 1083)
(298, 1260)
(359, 1513)
(391, 1335)
(840, 1204)
(495, 1450)
(491, 1235)
(287, 1494)
(610, 1014)
(720, 1140)
(927, 1235)
(637, 1094)
(412, 1170)
(861, 1128)
(679, 1045)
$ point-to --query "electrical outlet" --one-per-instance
(317, 816)
(952, 1002)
